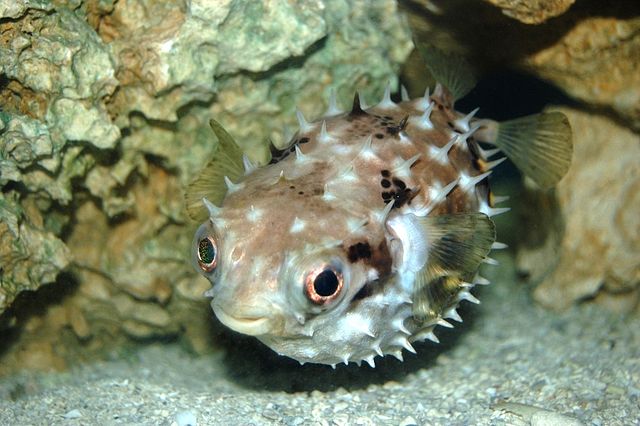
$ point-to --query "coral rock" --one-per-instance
(588, 239)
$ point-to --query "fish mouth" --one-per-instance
(252, 326)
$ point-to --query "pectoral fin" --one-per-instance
(457, 244)
(210, 183)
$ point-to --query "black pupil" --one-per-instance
(326, 283)
(206, 251)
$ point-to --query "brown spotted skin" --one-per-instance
(325, 204)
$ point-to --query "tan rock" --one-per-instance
(532, 11)
(597, 61)
(592, 248)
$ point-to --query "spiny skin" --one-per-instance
(324, 204)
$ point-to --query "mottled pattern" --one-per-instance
(328, 199)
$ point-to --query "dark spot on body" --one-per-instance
(388, 117)
(292, 187)
(403, 123)
(300, 192)
(394, 130)
(400, 197)
(379, 135)
(385, 173)
(399, 183)
(381, 259)
(278, 154)
(303, 140)
(385, 183)
(361, 250)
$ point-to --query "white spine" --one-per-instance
(305, 126)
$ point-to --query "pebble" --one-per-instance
(408, 421)
(186, 418)
(73, 414)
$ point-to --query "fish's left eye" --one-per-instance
(207, 254)
(323, 285)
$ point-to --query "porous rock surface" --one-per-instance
(585, 237)
(532, 11)
(104, 118)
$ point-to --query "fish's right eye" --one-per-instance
(323, 285)
(207, 254)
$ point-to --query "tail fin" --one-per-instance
(540, 145)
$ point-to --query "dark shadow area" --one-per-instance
(507, 94)
(294, 62)
(29, 304)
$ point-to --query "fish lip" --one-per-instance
(252, 326)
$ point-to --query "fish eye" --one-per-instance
(207, 254)
(323, 285)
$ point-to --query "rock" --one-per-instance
(17, 8)
(591, 51)
(532, 12)
(596, 61)
(588, 244)
(30, 255)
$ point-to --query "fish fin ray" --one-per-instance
(451, 70)
(210, 182)
(540, 145)
(457, 244)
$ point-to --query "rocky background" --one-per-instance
(104, 106)
(582, 241)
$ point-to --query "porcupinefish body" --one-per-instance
(365, 233)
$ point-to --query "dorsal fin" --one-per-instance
(457, 244)
(210, 183)
(540, 145)
(450, 70)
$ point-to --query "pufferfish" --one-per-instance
(368, 229)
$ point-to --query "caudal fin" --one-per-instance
(540, 145)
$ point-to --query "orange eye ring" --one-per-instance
(207, 254)
(323, 285)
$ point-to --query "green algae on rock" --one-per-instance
(30, 256)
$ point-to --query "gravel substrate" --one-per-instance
(509, 363)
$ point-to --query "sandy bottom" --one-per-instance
(509, 363)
